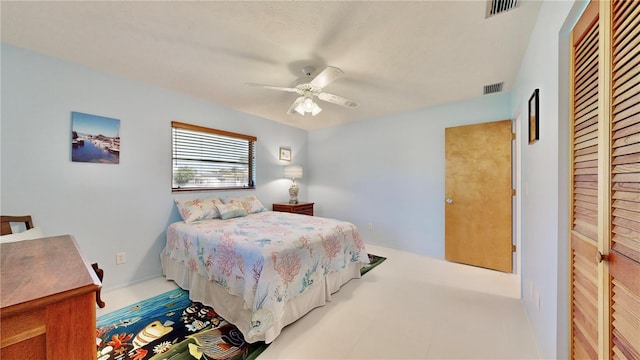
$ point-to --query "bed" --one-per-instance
(264, 270)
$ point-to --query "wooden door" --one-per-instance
(623, 244)
(585, 184)
(605, 192)
(478, 204)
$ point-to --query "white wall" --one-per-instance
(111, 208)
(544, 177)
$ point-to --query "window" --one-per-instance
(210, 159)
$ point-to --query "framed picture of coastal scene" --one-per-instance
(95, 139)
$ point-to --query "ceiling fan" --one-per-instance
(308, 88)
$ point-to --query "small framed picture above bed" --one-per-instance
(285, 153)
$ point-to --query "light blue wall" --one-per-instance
(389, 172)
(544, 177)
(112, 208)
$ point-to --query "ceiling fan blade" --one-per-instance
(293, 106)
(339, 100)
(275, 87)
(326, 77)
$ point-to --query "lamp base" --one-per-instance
(293, 194)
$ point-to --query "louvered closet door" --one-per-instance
(584, 231)
(605, 192)
(624, 255)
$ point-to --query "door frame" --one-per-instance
(516, 216)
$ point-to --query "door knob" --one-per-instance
(600, 257)
(449, 201)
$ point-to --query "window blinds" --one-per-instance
(204, 158)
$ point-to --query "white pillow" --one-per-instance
(33, 233)
(198, 209)
(230, 211)
(251, 204)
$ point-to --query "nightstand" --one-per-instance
(299, 208)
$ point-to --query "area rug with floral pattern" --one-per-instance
(172, 327)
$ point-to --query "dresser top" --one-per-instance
(297, 204)
(47, 269)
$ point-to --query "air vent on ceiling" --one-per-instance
(493, 88)
(495, 7)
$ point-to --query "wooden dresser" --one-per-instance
(48, 294)
(299, 208)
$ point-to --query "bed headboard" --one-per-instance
(7, 220)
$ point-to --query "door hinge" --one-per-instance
(513, 248)
(513, 192)
(513, 136)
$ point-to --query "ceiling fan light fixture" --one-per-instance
(315, 110)
(310, 87)
(308, 104)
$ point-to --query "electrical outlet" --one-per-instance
(121, 258)
(370, 226)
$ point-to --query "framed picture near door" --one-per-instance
(534, 118)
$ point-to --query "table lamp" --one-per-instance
(293, 172)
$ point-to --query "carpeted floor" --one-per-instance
(170, 326)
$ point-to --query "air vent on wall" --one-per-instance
(495, 7)
(493, 88)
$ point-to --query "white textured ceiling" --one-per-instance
(396, 56)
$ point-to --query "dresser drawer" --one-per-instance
(304, 209)
(300, 208)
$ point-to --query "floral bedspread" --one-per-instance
(266, 258)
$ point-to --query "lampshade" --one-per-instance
(315, 109)
(293, 172)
